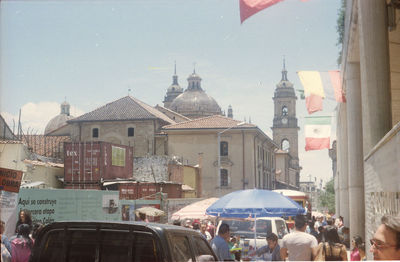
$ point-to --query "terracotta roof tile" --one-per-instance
(49, 146)
(210, 122)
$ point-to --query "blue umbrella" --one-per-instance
(254, 203)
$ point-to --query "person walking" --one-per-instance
(220, 243)
(21, 245)
(299, 245)
(385, 245)
(331, 249)
(355, 244)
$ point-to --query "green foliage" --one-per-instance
(340, 29)
(327, 198)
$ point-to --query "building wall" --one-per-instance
(394, 53)
(281, 167)
(12, 156)
(143, 141)
(47, 174)
(382, 181)
(241, 157)
(190, 178)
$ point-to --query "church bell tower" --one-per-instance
(285, 129)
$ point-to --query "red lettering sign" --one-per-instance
(10, 180)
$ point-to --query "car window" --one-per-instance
(246, 228)
(103, 246)
(202, 249)
(281, 228)
(181, 248)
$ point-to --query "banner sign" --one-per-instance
(8, 211)
(10, 180)
(52, 205)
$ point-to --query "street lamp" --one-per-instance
(219, 151)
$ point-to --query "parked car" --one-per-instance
(246, 230)
(119, 241)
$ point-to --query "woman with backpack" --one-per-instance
(330, 248)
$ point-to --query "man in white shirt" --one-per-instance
(300, 245)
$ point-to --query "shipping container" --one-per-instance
(149, 190)
(96, 161)
(85, 186)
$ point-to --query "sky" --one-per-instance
(93, 52)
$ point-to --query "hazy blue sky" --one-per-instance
(92, 52)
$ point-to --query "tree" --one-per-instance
(327, 198)
(340, 29)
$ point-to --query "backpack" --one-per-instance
(331, 257)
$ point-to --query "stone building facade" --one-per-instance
(285, 133)
(368, 128)
(126, 121)
(246, 153)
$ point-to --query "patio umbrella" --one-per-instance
(254, 203)
(196, 210)
(150, 211)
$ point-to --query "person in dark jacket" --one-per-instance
(270, 252)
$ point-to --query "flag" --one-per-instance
(250, 7)
(317, 132)
(315, 85)
(337, 85)
(312, 83)
(313, 90)
(313, 103)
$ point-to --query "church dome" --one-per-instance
(59, 120)
(174, 88)
(194, 102)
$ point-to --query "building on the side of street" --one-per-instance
(189, 177)
(285, 174)
(12, 154)
(285, 133)
(126, 121)
(368, 128)
(313, 192)
(43, 174)
(246, 153)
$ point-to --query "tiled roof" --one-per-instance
(161, 108)
(40, 163)
(210, 122)
(126, 108)
(49, 146)
(5, 141)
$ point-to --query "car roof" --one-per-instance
(117, 225)
(258, 218)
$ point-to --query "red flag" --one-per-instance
(313, 103)
(250, 7)
(337, 86)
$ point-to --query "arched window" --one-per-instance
(95, 132)
(224, 177)
(224, 148)
(285, 145)
(285, 111)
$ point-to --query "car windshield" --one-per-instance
(246, 228)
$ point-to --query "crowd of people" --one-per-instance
(320, 239)
(18, 247)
